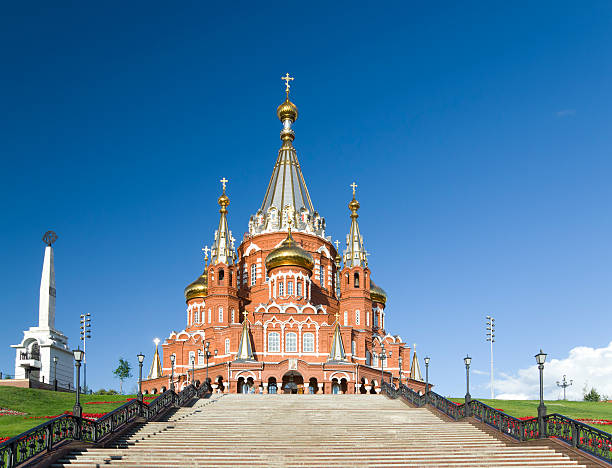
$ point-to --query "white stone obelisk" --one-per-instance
(46, 305)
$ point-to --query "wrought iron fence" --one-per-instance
(47, 436)
(575, 433)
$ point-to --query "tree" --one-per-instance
(593, 395)
(122, 372)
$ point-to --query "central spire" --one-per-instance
(287, 196)
(223, 247)
(355, 253)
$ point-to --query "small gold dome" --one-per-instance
(199, 288)
(377, 294)
(287, 110)
(289, 254)
(223, 200)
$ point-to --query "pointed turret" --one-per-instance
(46, 303)
(245, 349)
(415, 369)
(156, 367)
(287, 196)
(223, 246)
(355, 253)
(336, 352)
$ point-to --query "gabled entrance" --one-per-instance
(293, 382)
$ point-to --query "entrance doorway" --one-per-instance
(293, 382)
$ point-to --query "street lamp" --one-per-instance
(55, 373)
(491, 339)
(541, 359)
(382, 357)
(140, 357)
(468, 398)
(564, 384)
(400, 371)
(172, 359)
(78, 357)
(192, 370)
(207, 354)
(85, 335)
(426, 378)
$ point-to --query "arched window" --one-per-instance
(347, 280)
(220, 314)
(322, 275)
(299, 288)
(290, 288)
(357, 314)
(209, 316)
(233, 316)
(221, 275)
(281, 288)
(353, 348)
(227, 346)
(231, 277)
(356, 280)
(200, 357)
(375, 316)
(308, 342)
(291, 342)
(368, 358)
(367, 314)
(375, 360)
(346, 318)
(253, 274)
(273, 342)
(191, 357)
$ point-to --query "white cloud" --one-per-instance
(565, 112)
(584, 365)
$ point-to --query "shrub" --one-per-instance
(593, 395)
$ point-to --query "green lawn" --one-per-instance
(46, 403)
(571, 409)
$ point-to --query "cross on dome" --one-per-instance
(287, 79)
(206, 250)
(337, 242)
(156, 341)
(224, 181)
(337, 314)
(354, 186)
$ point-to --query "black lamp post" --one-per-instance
(207, 355)
(400, 371)
(78, 357)
(172, 359)
(382, 357)
(193, 370)
(541, 359)
(468, 398)
(140, 361)
(426, 378)
(55, 373)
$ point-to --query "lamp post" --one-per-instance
(172, 359)
(382, 357)
(541, 359)
(192, 370)
(491, 339)
(140, 361)
(426, 378)
(468, 398)
(207, 355)
(55, 373)
(78, 357)
(85, 335)
(564, 384)
(400, 371)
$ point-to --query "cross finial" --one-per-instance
(205, 250)
(287, 79)
(156, 341)
(224, 181)
(337, 242)
(337, 314)
(245, 314)
(354, 186)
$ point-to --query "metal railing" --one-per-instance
(575, 433)
(47, 436)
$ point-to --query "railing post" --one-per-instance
(49, 437)
(13, 456)
(574, 434)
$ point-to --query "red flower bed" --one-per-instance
(147, 397)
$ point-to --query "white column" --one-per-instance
(46, 305)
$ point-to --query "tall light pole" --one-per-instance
(541, 359)
(207, 355)
(426, 378)
(400, 371)
(564, 384)
(491, 339)
(172, 359)
(140, 361)
(55, 373)
(468, 398)
(78, 357)
(85, 335)
(193, 370)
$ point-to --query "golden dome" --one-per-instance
(223, 200)
(377, 294)
(287, 110)
(353, 205)
(289, 254)
(199, 288)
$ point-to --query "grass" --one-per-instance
(36, 402)
(571, 409)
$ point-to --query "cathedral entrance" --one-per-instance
(293, 382)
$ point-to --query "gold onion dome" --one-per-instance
(289, 253)
(287, 110)
(199, 288)
(377, 294)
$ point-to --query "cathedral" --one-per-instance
(285, 311)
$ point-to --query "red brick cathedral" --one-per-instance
(285, 312)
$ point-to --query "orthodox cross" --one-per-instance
(206, 250)
(337, 314)
(337, 242)
(224, 181)
(354, 186)
(287, 79)
(245, 314)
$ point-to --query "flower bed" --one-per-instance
(9, 412)
(146, 397)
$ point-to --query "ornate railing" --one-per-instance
(49, 435)
(575, 433)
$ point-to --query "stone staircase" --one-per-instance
(310, 430)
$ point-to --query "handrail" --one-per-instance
(579, 435)
(48, 435)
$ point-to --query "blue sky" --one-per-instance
(479, 135)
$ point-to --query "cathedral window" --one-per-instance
(200, 357)
(227, 346)
(347, 280)
(231, 277)
(220, 314)
(308, 342)
(233, 316)
(367, 314)
(345, 318)
(299, 288)
(375, 360)
(191, 357)
(353, 348)
(322, 276)
(368, 358)
(253, 274)
(375, 316)
(356, 280)
(291, 342)
(221, 276)
(281, 289)
(290, 288)
(209, 316)
(274, 342)
(357, 314)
